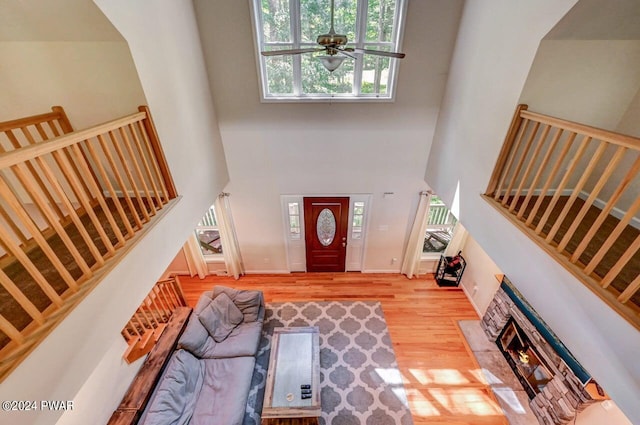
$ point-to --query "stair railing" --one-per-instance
(70, 202)
(575, 191)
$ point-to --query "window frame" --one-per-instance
(451, 226)
(359, 42)
(209, 258)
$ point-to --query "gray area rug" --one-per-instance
(359, 378)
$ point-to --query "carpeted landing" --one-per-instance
(359, 378)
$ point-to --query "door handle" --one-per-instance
(344, 244)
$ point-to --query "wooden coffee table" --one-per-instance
(294, 363)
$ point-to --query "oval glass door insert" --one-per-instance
(326, 227)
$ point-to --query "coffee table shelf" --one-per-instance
(294, 363)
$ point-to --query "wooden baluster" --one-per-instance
(619, 265)
(161, 301)
(16, 144)
(149, 322)
(158, 154)
(17, 252)
(11, 331)
(604, 178)
(178, 285)
(622, 187)
(512, 154)
(145, 163)
(66, 202)
(126, 334)
(602, 147)
(14, 228)
(57, 133)
(118, 176)
(523, 157)
(133, 325)
(15, 204)
(127, 172)
(112, 191)
(172, 305)
(156, 170)
(541, 168)
(608, 243)
(84, 168)
(540, 143)
(152, 299)
(72, 178)
(563, 183)
(550, 178)
(127, 144)
(630, 291)
(52, 219)
(20, 298)
(514, 127)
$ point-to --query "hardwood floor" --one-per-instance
(443, 382)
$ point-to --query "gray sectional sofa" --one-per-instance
(208, 376)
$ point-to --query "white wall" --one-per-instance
(479, 278)
(81, 359)
(606, 412)
(495, 49)
(94, 81)
(307, 149)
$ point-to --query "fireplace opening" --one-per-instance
(523, 358)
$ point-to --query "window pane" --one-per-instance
(279, 74)
(358, 208)
(314, 19)
(276, 21)
(294, 221)
(375, 74)
(209, 241)
(316, 79)
(380, 20)
(436, 240)
(293, 208)
(357, 233)
(209, 218)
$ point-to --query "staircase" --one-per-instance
(148, 322)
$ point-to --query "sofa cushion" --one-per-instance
(249, 302)
(195, 338)
(243, 341)
(220, 317)
(175, 397)
(223, 397)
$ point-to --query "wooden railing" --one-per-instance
(147, 323)
(70, 203)
(575, 190)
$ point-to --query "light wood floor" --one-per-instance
(442, 379)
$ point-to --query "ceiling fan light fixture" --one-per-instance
(331, 63)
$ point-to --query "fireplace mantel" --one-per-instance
(571, 388)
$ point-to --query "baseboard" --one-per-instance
(616, 212)
(267, 272)
(380, 271)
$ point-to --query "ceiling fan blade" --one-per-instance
(290, 51)
(381, 53)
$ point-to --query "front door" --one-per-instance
(325, 224)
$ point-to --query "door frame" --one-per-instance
(295, 249)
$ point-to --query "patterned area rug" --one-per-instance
(359, 378)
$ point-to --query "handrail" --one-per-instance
(573, 189)
(71, 204)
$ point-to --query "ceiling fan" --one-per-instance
(335, 46)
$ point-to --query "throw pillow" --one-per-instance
(221, 317)
(194, 338)
(249, 302)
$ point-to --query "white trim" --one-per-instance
(616, 212)
(397, 271)
(267, 272)
(399, 20)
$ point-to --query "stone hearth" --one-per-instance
(564, 395)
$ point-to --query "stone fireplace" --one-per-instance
(557, 385)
